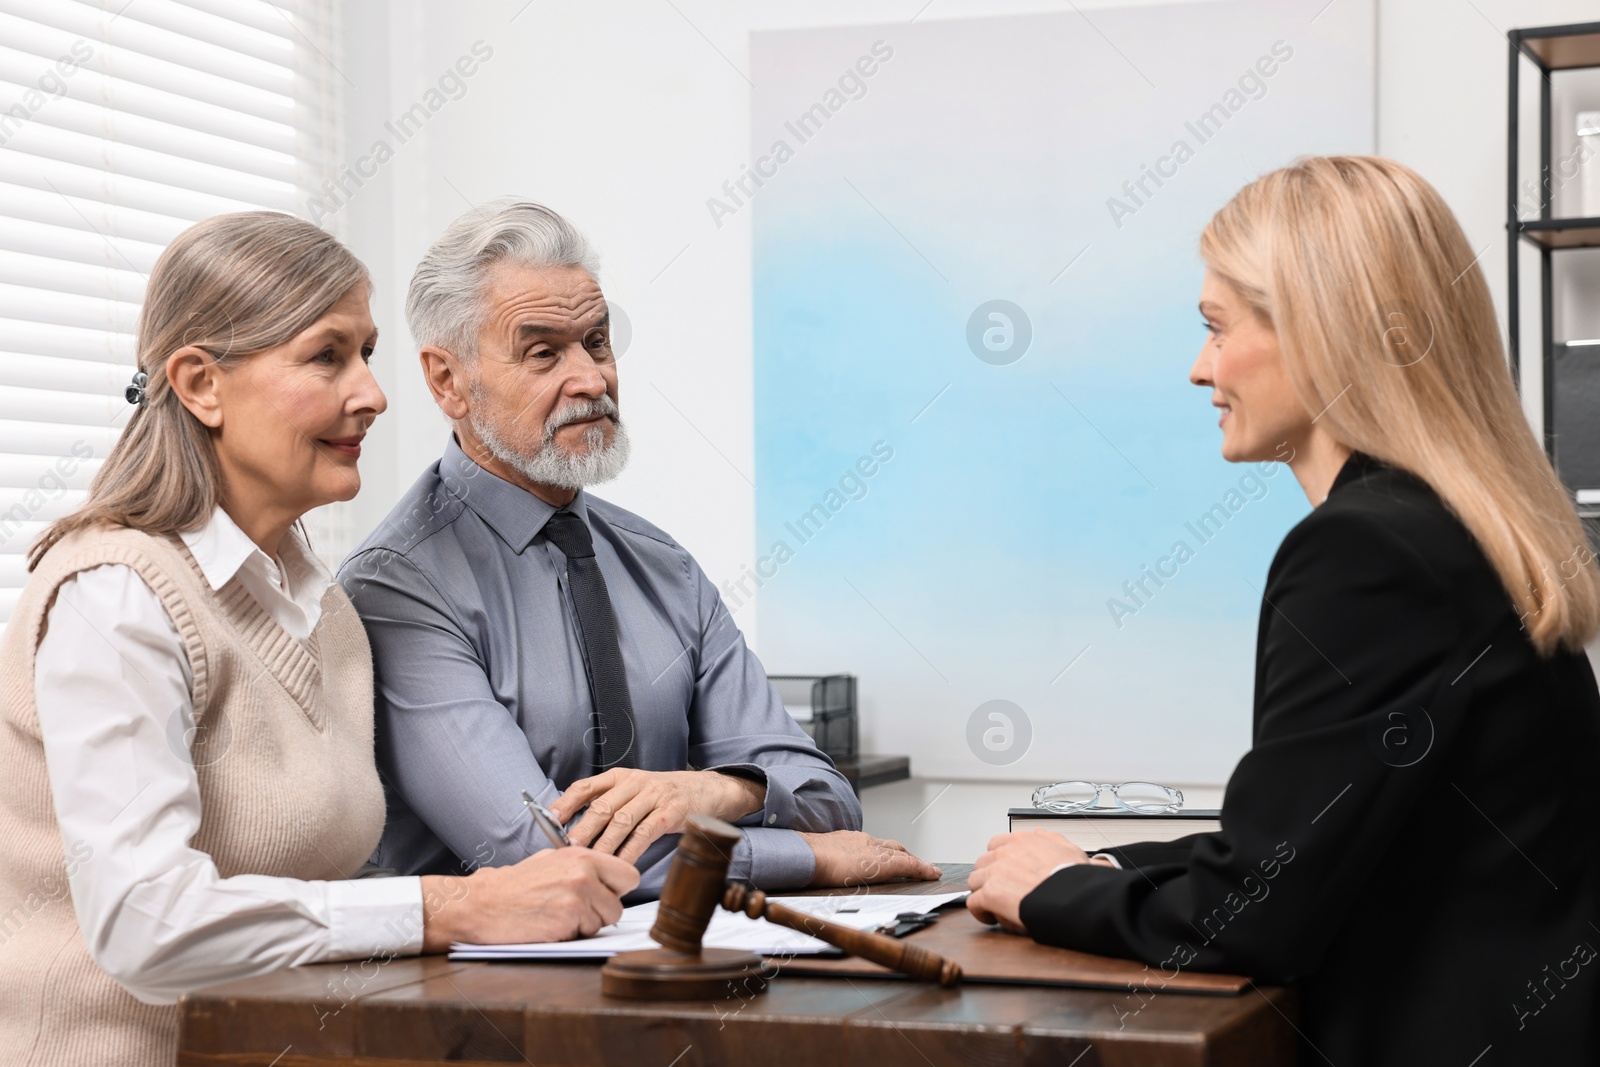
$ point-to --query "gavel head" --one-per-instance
(694, 883)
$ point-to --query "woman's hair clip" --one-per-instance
(134, 393)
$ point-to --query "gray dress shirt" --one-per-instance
(482, 689)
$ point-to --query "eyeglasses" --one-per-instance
(1144, 798)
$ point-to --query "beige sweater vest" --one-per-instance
(288, 786)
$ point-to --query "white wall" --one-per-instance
(627, 114)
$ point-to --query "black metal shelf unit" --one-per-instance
(1551, 49)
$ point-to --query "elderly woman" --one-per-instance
(1411, 835)
(187, 696)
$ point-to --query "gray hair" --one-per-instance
(444, 304)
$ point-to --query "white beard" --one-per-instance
(547, 463)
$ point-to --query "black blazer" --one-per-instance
(1414, 835)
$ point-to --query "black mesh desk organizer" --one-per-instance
(831, 699)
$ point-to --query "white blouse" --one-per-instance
(112, 683)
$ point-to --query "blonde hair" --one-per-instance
(1386, 327)
(231, 285)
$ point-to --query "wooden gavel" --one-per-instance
(696, 884)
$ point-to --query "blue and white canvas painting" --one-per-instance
(983, 481)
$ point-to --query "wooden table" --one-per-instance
(429, 1010)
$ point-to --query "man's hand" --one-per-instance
(556, 894)
(850, 857)
(1012, 868)
(628, 809)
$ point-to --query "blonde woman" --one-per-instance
(186, 696)
(1412, 833)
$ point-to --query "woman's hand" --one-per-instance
(629, 809)
(555, 894)
(850, 857)
(1012, 868)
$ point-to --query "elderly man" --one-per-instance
(529, 636)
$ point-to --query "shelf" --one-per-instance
(865, 772)
(1564, 47)
(1551, 48)
(1562, 233)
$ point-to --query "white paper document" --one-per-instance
(727, 930)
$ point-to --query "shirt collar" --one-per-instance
(222, 550)
(512, 512)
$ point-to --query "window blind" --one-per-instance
(122, 122)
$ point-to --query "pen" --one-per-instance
(547, 822)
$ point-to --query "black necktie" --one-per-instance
(608, 681)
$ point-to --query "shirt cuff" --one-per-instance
(374, 917)
(1075, 863)
(782, 807)
(773, 859)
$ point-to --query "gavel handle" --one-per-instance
(892, 953)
